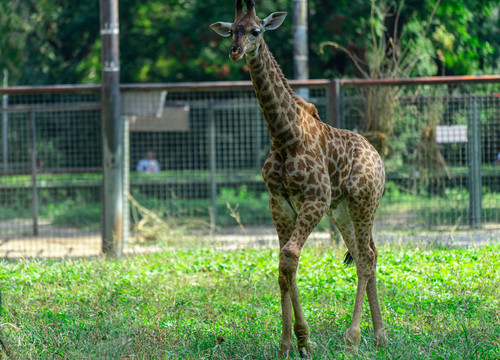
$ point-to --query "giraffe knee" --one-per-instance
(366, 263)
(289, 260)
(373, 248)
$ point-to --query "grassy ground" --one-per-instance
(200, 304)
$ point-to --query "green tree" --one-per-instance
(172, 41)
(49, 41)
(451, 36)
(58, 41)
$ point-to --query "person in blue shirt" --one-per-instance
(148, 164)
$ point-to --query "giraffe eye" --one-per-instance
(255, 32)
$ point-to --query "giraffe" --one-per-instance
(312, 169)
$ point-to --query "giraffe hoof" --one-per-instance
(351, 349)
(306, 348)
(284, 354)
(352, 340)
(285, 350)
(380, 339)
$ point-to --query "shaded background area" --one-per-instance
(439, 144)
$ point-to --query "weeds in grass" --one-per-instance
(149, 228)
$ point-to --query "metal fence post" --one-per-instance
(213, 167)
(112, 130)
(474, 156)
(5, 123)
(335, 112)
(258, 137)
(126, 179)
(338, 101)
(34, 188)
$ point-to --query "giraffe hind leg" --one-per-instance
(339, 214)
(341, 217)
(366, 264)
(379, 333)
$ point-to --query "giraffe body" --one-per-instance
(312, 169)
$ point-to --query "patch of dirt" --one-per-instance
(17, 240)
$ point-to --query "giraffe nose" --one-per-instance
(236, 53)
(235, 49)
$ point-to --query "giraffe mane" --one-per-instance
(308, 107)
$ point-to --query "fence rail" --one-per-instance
(440, 138)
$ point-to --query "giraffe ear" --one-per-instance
(222, 28)
(274, 20)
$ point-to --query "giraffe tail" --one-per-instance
(348, 259)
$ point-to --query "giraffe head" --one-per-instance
(247, 29)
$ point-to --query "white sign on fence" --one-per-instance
(146, 112)
(447, 134)
(172, 119)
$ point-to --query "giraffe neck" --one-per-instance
(276, 98)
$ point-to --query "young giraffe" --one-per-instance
(312, 169)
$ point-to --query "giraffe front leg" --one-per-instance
(286, 317)
(309, 216)
(289, 258)
(284, 218)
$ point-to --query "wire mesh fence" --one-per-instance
(195, 151)
(440, 144)
(51, 164)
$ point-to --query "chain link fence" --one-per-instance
(51, 172)
(441, 146)
(195, 151)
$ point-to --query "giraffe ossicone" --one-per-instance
(312, 169)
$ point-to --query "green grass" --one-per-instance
(438, 303)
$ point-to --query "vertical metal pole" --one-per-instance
(300, 44)
(474, 164)
(333, 106)
(213, 169)
(5, 123)
(337, 104)
(112, 131)
(34, 189)
(258, 137)
(340, 120)
(126, 179)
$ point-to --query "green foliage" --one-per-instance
(462, 45)
(80, 215)
(172, 41)
(49, 41)
(253, 208)
(439, 37)
(436, 302)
